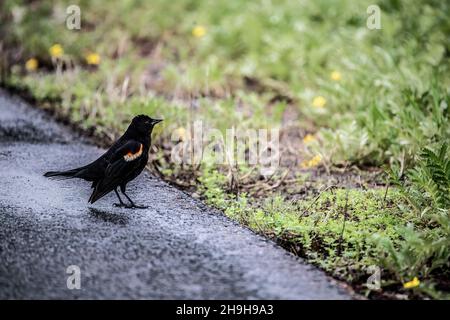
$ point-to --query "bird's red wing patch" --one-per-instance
(130, 156)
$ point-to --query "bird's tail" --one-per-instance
(63, 174)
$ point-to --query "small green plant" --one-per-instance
(424, 253)
(426, 185)
(431, 179)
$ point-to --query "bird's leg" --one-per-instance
(121, 204)
(132, 203)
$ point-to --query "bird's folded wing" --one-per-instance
(123, 163)
(124, 160)
(129, 151)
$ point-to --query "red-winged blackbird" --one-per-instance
(123, 162)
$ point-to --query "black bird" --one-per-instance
(123, 162)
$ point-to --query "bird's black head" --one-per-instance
(143, 125)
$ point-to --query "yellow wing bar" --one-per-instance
(130, 156)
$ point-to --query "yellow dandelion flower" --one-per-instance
(315, 161)
(181, 133)
(199, 31)
(412, 284)
(56, 51)
(308, 139)
(31, 64)
(93, 58)
(335, 76)
(312, 162)
(319, 102)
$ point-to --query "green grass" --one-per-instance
(260, 65)
(346, 231)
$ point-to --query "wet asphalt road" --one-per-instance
(176, 249)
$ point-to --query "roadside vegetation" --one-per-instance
(364, 177)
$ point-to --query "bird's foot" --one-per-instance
(129, 206)
(135, 206)
(120, 205)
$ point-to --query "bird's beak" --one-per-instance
(155, 121)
